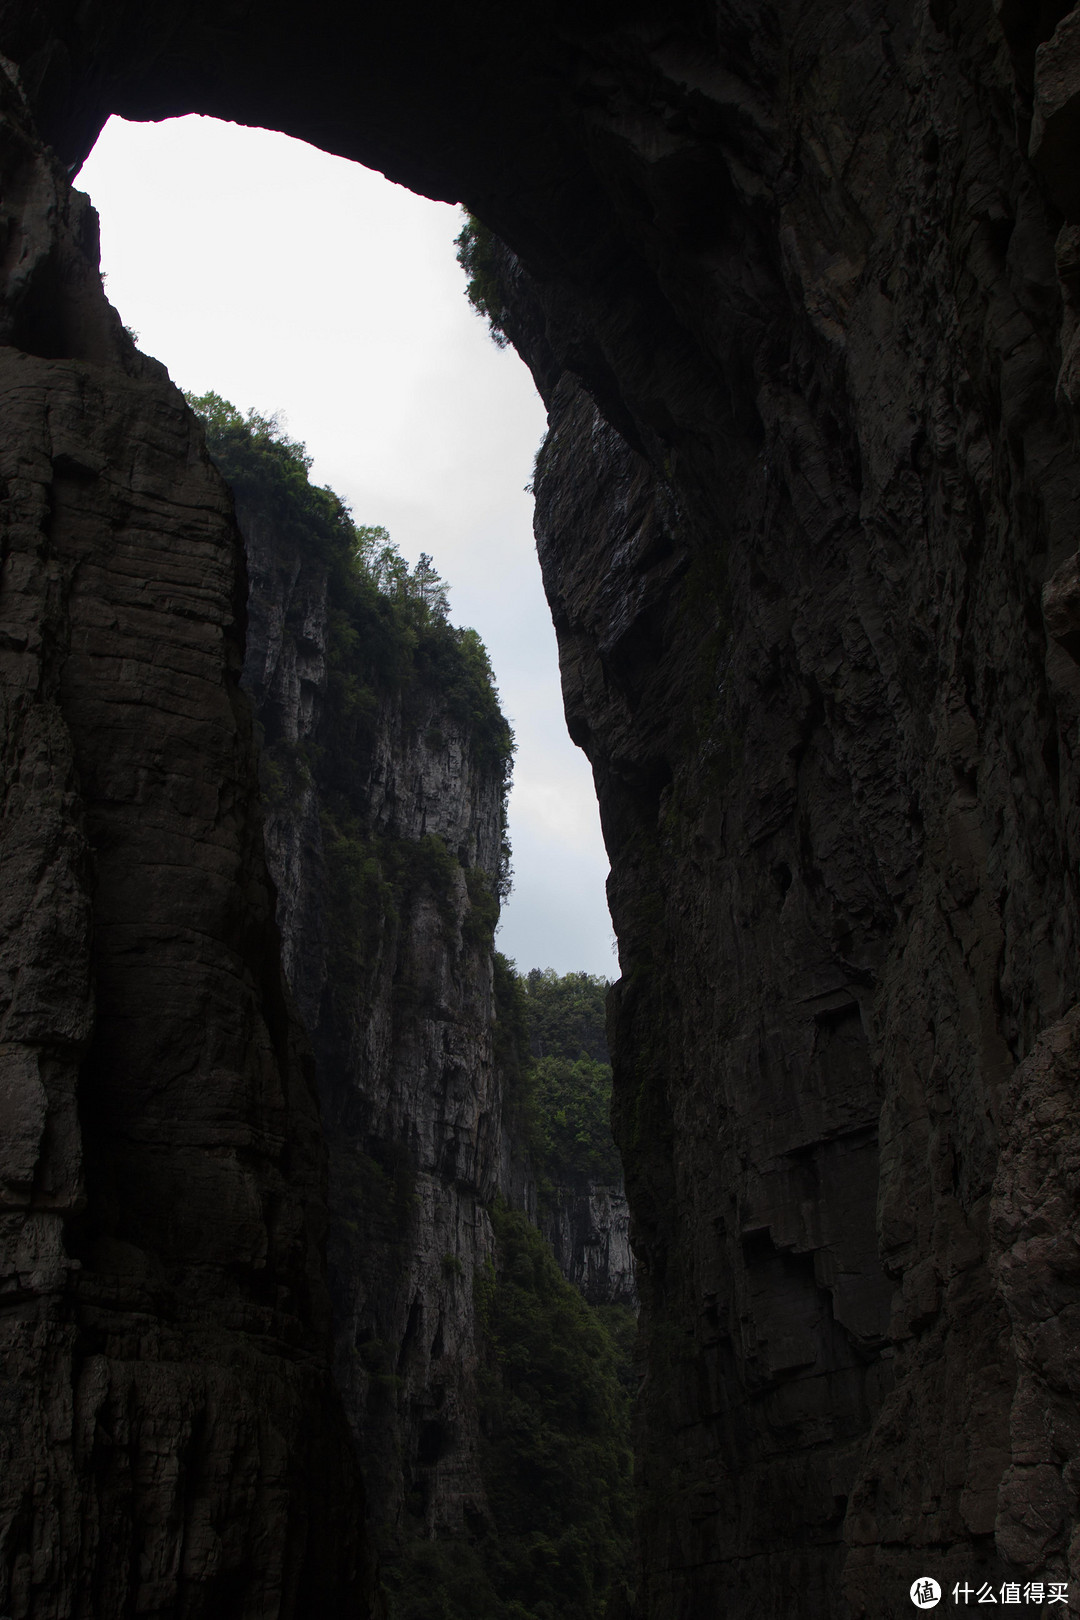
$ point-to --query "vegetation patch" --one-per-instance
(389, 632)
(556, 1460)
(572, 1110)
(569, 1079)
(483, 914)
(566, 1014)
(393, 660)
(477, 254)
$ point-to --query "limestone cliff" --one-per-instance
(384, 767)
(385, 833)
(588, 1227)
(799, 285)
(172, 1442)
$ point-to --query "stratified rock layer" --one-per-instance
(172, 1443)
(834, 751)
(412, 1097)
(799, 301)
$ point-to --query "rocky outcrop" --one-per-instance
(172, 1443)
(380, 870)
(840, 880)
(794, 283)
(588, 1228)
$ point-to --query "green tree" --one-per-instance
(429, 590)
(566, 1014)
(568, 1078)
(571, 1104)
(477, 254)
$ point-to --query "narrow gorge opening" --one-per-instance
(378, 448)
(304, 286)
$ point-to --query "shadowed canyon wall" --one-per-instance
(488, 1402)
(172, 1442)
(384, 833)
(798, 285)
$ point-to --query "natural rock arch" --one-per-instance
(785, 279)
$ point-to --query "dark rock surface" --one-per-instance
(172, 1441)
(412, 1097)
(588, 1227)
(799, 286)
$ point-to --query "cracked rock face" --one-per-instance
(412, 1098)
(168, 1410)
(799, 285)
(588, 1228)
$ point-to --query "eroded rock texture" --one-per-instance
(172, 1444)
(588, 1227)
(798, 283)
(396, 990)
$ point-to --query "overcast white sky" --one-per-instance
(296, 282)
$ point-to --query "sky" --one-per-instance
(302, 284)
